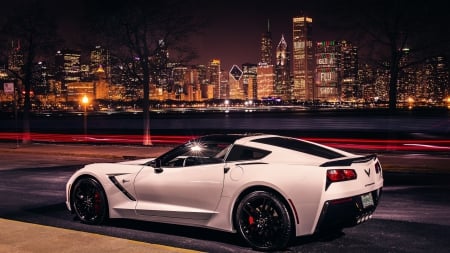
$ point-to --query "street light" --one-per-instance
(227, 102)
(85, 101)
(410, 103)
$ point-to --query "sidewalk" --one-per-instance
(21, 237)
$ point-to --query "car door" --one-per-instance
(184, 188)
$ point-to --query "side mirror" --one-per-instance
(156, 164)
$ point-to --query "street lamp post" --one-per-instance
(85, 101)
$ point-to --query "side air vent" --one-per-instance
(120, 187)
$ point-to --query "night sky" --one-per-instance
(234, 29)
(234, 34)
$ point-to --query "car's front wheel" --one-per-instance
(89, 201)
(263, 221)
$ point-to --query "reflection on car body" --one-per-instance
(266, 188)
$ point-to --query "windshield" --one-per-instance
(195, 152)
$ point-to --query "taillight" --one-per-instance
(338, 175)
(377, 167)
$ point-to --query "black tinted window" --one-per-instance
(238, 153)
(301, 146)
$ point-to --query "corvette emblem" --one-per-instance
(367, 172)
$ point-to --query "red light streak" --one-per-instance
(342, 143)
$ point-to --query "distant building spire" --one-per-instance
(281, 51)
(282, 70)
(100, 69)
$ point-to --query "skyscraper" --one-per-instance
(282, 70)
(40, 78)
(265, 69)
(266, 46)
(100, 59)
(327, 71)
(265, 77)
(213, 75)
(68, 66)
(160, 66)
(236, 83)
(15, 57)
(303, 59)
(348, 69)
(249, 79)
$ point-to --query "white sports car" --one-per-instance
(267, 188)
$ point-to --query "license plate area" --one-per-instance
(367, 200)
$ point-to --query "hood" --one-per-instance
(138, 162)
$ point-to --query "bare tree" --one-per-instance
(385, 30)
(34, 29)
(136, 29)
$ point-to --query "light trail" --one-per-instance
(343, 143)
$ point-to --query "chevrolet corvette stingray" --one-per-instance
(267, 188)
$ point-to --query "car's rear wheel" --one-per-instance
(263, 221)
(89, 201)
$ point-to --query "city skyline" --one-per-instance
(143, 34)
(333, 77)
(233, 29)
(233, 35)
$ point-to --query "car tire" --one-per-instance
(89, 201)
(263, 221)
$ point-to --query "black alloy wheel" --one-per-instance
(89, 201)
(263, 221)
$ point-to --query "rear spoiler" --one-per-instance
(349, 161)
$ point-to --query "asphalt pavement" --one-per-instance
(63, 240)
(406, 162)
(22, 237)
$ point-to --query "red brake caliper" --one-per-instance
(97, 202)
(251, 220)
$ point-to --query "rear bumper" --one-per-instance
(346, 212)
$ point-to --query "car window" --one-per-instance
(193, 153)
(300, 146)
(240, 153)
